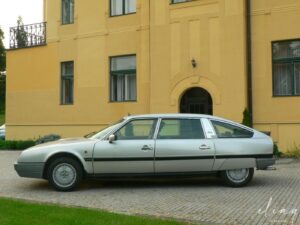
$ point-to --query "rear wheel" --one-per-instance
(64, 174)
(237, 177)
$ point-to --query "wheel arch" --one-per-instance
(57, 155)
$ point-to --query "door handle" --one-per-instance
(204, 147)
(147, 148)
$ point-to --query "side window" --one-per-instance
(226, 130)
(180, 129)
(137, 130)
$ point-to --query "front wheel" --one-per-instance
(64, 174)
(237, 177)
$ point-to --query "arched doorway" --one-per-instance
(196, 100)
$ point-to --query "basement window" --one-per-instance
(67, 83)
(122, 7)
(123, 78)
(286, 68)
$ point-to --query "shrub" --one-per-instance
(48, 138)
(247, 118)
(276, 151)
(16, 145)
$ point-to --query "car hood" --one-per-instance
(66, 141)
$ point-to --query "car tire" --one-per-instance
(64, 174)
(237, 177)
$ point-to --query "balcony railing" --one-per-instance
(28, 36)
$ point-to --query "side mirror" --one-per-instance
(111, 138)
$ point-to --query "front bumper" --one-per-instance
(32, 170)
(264, 163)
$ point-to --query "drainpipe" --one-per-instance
(249, 59)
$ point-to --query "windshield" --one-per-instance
(102, 133)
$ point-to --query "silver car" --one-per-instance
(153, 145)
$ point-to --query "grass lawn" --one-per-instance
(22, 212)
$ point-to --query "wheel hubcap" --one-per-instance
(238, 175)
(64, 175)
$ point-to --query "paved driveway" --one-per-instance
(273, 197)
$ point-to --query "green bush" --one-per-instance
(48, 138)
(16, 145)
(276, 151)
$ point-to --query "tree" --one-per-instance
(21, 34)
(2, 52)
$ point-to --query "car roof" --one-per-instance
(174, 115)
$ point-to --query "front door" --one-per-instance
(131, 153)
(181, 147)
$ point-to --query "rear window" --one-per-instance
(226, 130)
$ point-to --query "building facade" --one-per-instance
(94, 62)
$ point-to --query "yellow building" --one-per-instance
(95, 61)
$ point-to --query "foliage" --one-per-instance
(21, 34)
(2, 52)
(2, 117)
(21, 212)
(276, 151)
(16, 145)
(247, 118)
(2, 93)
(47, 138)
(292, 153)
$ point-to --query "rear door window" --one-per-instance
(180, 129)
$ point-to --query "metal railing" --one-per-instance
(28, 36)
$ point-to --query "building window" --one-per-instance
(67, 82)
(67, 11)
(123, 78)
(286, 68)
(179, 1)
(122, 7)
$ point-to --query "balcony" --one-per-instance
(27, 36)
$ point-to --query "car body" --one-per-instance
(2, 132)
(153, 145)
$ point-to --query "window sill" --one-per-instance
(285, 96)
(128, 14)
(129, 101)
(69, 104)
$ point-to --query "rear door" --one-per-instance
(181, 146)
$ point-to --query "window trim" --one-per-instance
(110, 79)
(123, 10)
(285, 60)
(61, 83)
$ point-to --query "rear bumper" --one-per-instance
(32, 170)
(264, 163)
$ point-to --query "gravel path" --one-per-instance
(273, 197)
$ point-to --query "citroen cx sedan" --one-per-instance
(152, 145)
